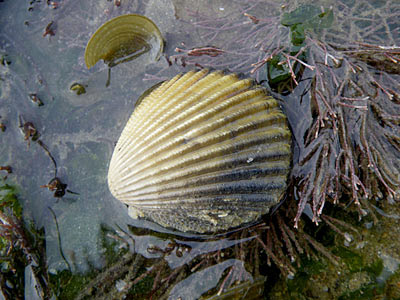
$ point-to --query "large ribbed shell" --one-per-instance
(204, 152)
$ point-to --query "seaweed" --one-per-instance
(22, 251)
(344, 78)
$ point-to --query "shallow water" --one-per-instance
(80, 131)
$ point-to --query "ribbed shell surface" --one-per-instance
(203, 152)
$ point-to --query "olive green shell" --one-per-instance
(203, 152)
(123, 38)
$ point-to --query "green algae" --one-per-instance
(78, 88)
(8, 199)
(309, 17)
(304, 18)
(392, 287)
(66, 285)
(309, 268)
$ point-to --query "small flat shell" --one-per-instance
(203, 152)
(123, 38)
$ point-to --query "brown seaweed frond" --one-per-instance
(356, 77)
(356, 113)
(282, 242)
(13, 231)
(104, 282)
(342, 228)
(19, 251)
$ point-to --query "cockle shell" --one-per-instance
(203, 152)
